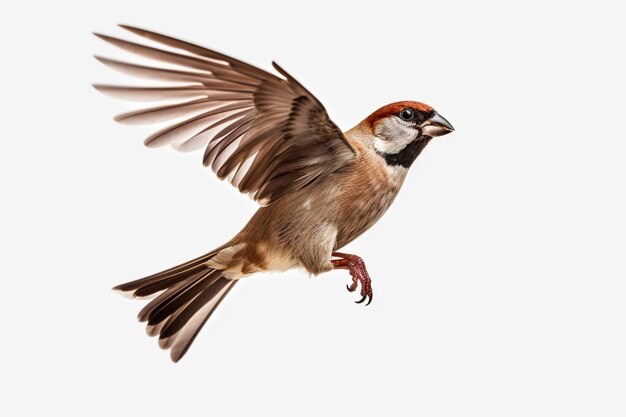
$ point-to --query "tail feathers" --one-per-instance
(146, 287)
(198, 314)
(190, 292)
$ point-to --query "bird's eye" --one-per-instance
(406, 114)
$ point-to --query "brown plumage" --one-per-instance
(272, 139)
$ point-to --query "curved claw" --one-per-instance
(371, 297)
(358, 272)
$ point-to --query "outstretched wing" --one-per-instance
(267, 135)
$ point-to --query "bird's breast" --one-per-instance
(368, 193)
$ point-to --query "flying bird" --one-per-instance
(318, 188)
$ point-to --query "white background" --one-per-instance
(499, 272)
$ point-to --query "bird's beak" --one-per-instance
(436, 126)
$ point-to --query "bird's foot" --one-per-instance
(355, 265)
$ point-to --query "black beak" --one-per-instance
(436, 126)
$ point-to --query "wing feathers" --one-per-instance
(185, 129)
(169, 112)
(156, 93)
(217, 69)
(201, 139)
(224, 138)
(268, 136)
(153, 73)
(234, 63)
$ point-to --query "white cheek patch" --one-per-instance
(392, 136)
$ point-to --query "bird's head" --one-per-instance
(401, 130)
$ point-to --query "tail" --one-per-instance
(190, 292)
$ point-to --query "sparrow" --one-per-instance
(318, 188)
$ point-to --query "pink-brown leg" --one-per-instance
(355, 265)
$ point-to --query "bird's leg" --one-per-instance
(357, 269)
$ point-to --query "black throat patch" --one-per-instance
(407, 155)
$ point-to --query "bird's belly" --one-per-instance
(280, 261)
(362, 213)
